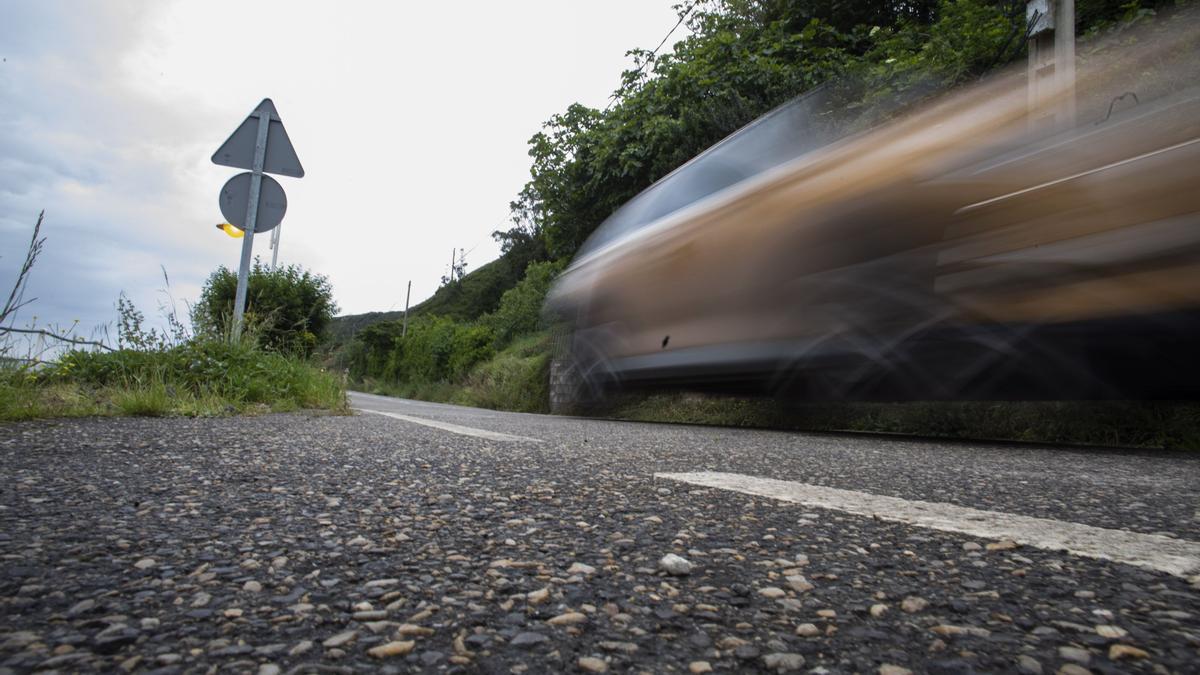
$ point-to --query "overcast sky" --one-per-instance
(411, 121)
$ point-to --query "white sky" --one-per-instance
(411, 121)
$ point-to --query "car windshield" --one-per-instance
(797, 127)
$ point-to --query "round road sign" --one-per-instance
(272, 202)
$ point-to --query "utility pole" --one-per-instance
(1051, 70)
(452, 265)
(407, 294)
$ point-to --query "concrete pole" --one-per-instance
(1051, 69)
(1064, 61)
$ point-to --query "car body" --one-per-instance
(957, 252)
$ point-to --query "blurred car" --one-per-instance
(958, 252)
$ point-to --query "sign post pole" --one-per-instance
(260, 154)
(247, 148)
(275, 236)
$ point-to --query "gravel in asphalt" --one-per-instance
(297, 543)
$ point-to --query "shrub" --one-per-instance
(291, 306)
(520, 309)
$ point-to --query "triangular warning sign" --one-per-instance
(238, 151)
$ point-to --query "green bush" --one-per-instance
(291, 307)
(520, 309)
(515, 379)
(440, 349)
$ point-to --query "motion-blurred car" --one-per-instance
(953, 253)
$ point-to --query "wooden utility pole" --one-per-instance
(407, 294)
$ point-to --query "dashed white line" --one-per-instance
(1164, 554)
(454, 428)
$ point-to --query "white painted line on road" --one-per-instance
(1152, 551)
(455, 428)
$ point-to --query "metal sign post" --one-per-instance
(275, 246)
(260, 153)
(260, 144)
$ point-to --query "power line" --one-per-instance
(655, 52)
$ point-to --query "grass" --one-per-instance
(1173, 425)
(200, 378)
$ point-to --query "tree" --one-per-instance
(289, 307)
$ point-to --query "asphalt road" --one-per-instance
(427, 537)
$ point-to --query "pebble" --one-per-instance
(893, 669)
(538, 597)
(772, 592)
(971, 546)
(1002, 545)
(948, 630)
(913, 604)
(698, 667)
(1028, 665)
(301, 647)
(1111, 632)
(567, 619)
(340, 639)
(798, 583)
(1120, 651)
(675, 565)
(81, 607)
(1073, 669)
(370, 615)
(807, 630)
(580, 568)
(252, 587)
(269, 669)
(592, 664)
(395, 648)
(145, 563)
(1075, 654)
(528, 639)
(783, 662)
(878, 610)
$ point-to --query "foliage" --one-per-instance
(293, 307)
(442, 349)
(520, 307)
(514, 379)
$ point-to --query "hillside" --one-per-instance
(477, 293)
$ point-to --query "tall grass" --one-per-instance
(197, 378)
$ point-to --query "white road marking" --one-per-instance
(455, 428)
(1152, 551)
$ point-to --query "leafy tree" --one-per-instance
(290, 307)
